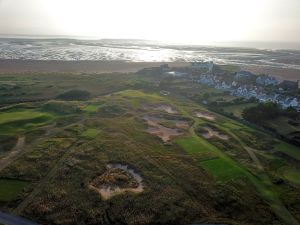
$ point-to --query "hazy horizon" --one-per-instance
(216, 22)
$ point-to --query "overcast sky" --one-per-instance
(189, 21)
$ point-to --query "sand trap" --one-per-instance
(166, 108)
(118, 179)
(162, 132)
(182, 124)
(205, 115)
(210, 133)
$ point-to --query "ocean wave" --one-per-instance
(137, 51)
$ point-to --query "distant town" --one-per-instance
(263, 87)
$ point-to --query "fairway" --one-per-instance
(222, 169)
(22, 120)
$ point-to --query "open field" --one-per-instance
(103, 159)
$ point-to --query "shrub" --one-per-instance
(62, 107)
(73, 95)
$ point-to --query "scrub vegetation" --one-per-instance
(95, 152)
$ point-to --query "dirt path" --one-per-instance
(250, 152)
(14, 153)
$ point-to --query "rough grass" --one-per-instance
(9, 189)
(290, 150)
(237, 110)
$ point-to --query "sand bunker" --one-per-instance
(182, 124)
(162, 132)
(205, 115)
(210, 133)
(166, 108)
(118, 179)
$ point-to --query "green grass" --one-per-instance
(90, 133)
(290, 150)
(21, 120)
(290, 174)
(193, 145)
(8, 117)
(9, 189)
(91, 108)
(222, 169)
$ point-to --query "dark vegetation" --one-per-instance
(74, 95)
(70, 140)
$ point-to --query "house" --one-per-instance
(289, 85)
(243, 75)
(202, 65)
(266, 80)
(164, 68)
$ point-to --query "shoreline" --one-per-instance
(16, 66)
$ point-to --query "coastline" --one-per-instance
(52, 66)
(16, 66)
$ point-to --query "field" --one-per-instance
(59, 154)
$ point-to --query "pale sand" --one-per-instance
(279, 73)
(107, 192)
(31, 66)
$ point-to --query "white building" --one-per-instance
(266, 80)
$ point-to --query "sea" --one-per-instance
(72, 49)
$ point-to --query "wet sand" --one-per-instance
(34, 66)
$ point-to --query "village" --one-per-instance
(263, 88)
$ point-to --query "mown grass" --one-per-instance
(21, 120)
(91, 108)
(9, 189)
(90, 133)
(222, 169)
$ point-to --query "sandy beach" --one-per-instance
(32, 66)
(53, 66)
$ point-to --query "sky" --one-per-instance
(184, 21)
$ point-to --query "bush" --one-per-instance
(73, 95)
(262, 112)
(62, 107)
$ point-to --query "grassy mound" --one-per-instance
(62, 107)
